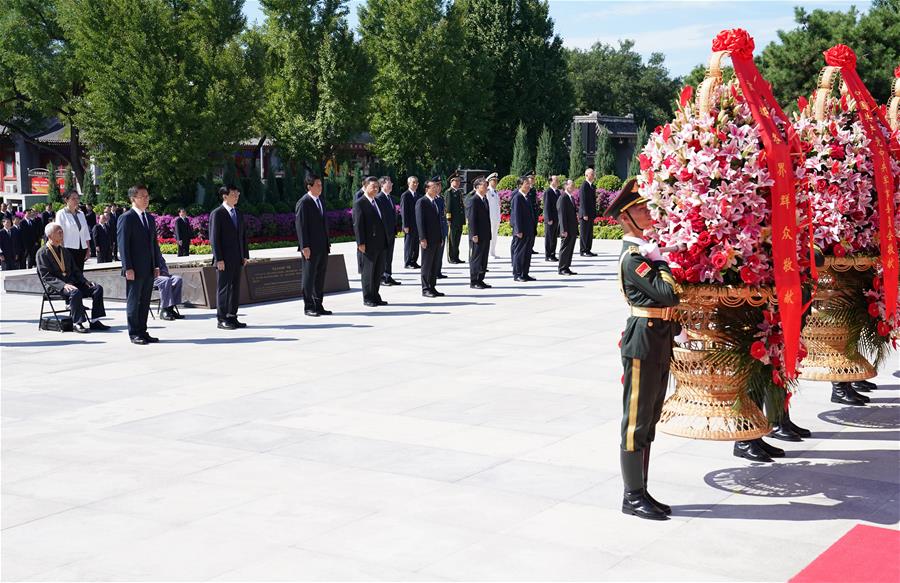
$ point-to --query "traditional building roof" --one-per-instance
(619, 126)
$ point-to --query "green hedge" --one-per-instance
(172, 249)
(609, 182)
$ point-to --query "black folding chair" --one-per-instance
(48, 299)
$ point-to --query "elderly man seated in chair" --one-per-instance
(169, 287)
(57, 268)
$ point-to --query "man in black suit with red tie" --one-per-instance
(408, 202)
(478, 215)
(568, 228)
(183, 233)
(371, 242)
(431, 235)
(312, 235)
(138, 249)
(230, 254)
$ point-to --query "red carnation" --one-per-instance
(758, 350)
(837, 152)
(737, 41)
(873, 310)
(883, 328)
(686, 93)
(645, 161)
(719, 260)
(840, 56)
(802, 102)
(838, 250)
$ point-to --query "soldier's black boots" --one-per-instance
(635, 501)
(664, 507)
(864, 386)
(844, 394)
(787, 422)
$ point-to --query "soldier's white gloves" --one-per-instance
(682, 338)
(651, 251)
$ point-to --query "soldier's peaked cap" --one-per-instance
(627, 198)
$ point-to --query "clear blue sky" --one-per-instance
(681, 30)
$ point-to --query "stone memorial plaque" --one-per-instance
(272, 280)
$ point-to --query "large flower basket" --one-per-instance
(832, 356)
(710, 399)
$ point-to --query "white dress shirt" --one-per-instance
(73, 237)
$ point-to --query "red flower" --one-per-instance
(802, 352)
(686, 93)
(821, 185)
(692, 275)
(737, 41)
(876, 283)
(703, 239)
(748, 277)
(837, 152)
(776, 378)
(720, 260)
(873, 310)
(684, 175)
(677, 273)
(645, 161)
(838, 250)
(897, 72)
(833, 190)
(758, 350)
(802, 103)
(883, 328)
(836, 167)
(667, 132)
(840, 56)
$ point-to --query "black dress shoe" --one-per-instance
(751, 450)
(439, 294)
(442, 276)
(784, 432)
(166, 315)
(381, 303)
(864, 386)
(139, 340)
(584, 254)
(549, 259)
(386, 282)
(555, 258)
(150, 339)
(522, 279)
(591, 254)
(429, 294)
(796, 428)
(81, 329)
(98, 325)
(226, 325)
(486, 285)
(313, 313)
(370, 304)
(393, 281)
(529, 278)
(860, 396)
(416, 266)
(638, 504)
(770, 449)
(479, 286)
(178, 315)
(323, 312)
(238, 324)
(840, 393)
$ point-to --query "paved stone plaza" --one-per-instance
(470, 437)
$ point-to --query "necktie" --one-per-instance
(377, 210)
(78, 223)
(319, 204)
(233, 214)
(144, 221)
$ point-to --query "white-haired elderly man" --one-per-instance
(60, 272)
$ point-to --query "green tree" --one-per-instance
(69, 180)
(634, 167)
(39, 76)
(289, 184)
(544, 161)
(616, 81)
(271, 193)
(576, 153)
(88, 189)
(521, 161)
(604, 157)
(171, 86)
(53, 194)
(315, 77)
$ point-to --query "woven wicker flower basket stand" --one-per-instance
(710, 400)
(826, 343)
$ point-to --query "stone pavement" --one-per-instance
(471, 437)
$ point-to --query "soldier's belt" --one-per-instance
(661, 313)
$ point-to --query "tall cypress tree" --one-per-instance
(634, 167)
(271, 194)
(604, 158)
(576, 153)
(53, 194)
(520, 158)
(88, 190)
(544, 162)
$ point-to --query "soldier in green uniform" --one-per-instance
(650, 290)
(456, 216)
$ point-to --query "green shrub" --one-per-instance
(609, 182)
(541, 182)
(194, 210)
(579, 181)
(248, 208)
(508, 182)
(607, 232)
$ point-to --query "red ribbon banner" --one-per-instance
(843, 56)
(757, 92)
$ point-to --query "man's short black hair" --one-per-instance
(311, 180)
(369, 180)
(478, 182)
(132, 192)
(384, 180)
(520, 181)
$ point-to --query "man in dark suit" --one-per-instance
(90, 218)
(479, 217)
(568, 226)
(456, 217)
(533, 201)
(587, 212)
(230, 254)
(102, 236)
(312, 236)
(39, 225)
(522, 222)
(138, 248)
(428, 223)
(30, 238)
(57, 268)
(408, 218)
(551, 219)
(389, 216)
(371, 242)
(10, 246)
(114, 227)
(48, 215)
(183, 233)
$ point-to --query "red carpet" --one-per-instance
(865, 554)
